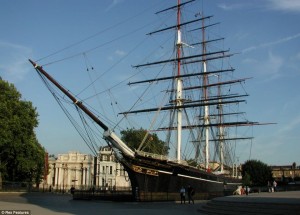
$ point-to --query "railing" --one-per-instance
(151, 155)
(105, 193)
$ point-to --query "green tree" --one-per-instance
(134, 137)
(257, 172)
(246, 179)
(192, 162)
(21, 155)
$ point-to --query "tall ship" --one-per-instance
(187, 107)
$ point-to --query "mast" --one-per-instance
(221, 128)
(199, 95)
(205, 95)
(179, 85)
(109, 135)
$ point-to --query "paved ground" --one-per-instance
(291, 197)
(47, 203)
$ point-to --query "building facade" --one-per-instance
(110, 173)
(286, 173)
(71, 169)
(83, 171)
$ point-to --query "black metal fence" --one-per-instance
(117, 194)
(29, 187)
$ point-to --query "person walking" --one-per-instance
(191, 192)
(269, 187)
(182, 195)
(274, 186)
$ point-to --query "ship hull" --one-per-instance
(153, 180)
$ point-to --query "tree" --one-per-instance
(21, 155)
(134, 137)
(257, 172)
(246, 179)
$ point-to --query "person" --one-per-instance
(72, 190)
(182, 195)
(269, 187)
(191, 192)
(242, 190)
(238, 190)
(274, 186)
(247, 190)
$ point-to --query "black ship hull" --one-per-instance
(157, 180)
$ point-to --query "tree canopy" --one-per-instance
(21, 155)
(152, 144)
(256, 173)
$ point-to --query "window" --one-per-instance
(110, 170)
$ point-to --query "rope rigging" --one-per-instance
(86, 133)
(97, 34)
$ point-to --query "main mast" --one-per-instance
(179, 85)
(178, 103)
(205, 95)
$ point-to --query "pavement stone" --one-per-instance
(50, 203)
(290, 197)
(63, 204)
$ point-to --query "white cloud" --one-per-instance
(14, 61)
(230, 6)
(285, 5)
(292, 124)
(120, 53)
(264, 45)
(273, 65)
(113, 4)
(269, 67)
(117, 53)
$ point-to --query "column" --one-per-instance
(57, 177)
(68, 185)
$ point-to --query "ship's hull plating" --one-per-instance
(162, 180)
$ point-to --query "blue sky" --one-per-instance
(264, 34)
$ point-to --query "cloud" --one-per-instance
(264, 45)
(120, 53)
(285, 5)
(279, 5)
(269, 67)
(294, 123)
(14, 61)
(273, 65)
(113, 4)
(230, 6)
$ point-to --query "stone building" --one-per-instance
(286, 172)
(110, 173)
(83, 171)
(72, 169)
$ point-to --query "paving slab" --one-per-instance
(278, 203)
(290, 197)
(54, 204)
(63, 204)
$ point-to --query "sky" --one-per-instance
(263, 34)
